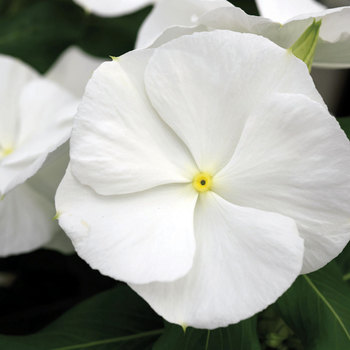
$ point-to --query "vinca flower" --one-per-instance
(207, 174)
(289, 20)
(36, 120)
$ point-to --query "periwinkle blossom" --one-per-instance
(35, 122)
(207, 174)
(287, 20)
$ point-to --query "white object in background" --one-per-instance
(113, 8)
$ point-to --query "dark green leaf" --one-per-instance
(248, 6)
(345, 125)
(317, 308)
(241, 336)
(116, 319)
(39, 33)
(106, 37)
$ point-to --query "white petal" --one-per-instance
(110, 8)
(237, 20)
(141, 237)
(210, 82)
(333, 55)
(73, 69)
(294, 159)
(25, 221)
(119, 143)
(47, 179)
(245, 259)
(282, 10)
(168, 13)
(46, 113)
(333, 47)
(14, 76)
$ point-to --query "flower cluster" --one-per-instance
(205, 169)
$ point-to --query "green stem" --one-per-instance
(207, 345)
(113, 340)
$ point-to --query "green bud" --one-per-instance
(274, 340)
(304, 47)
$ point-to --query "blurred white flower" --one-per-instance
(167, 13)
(198, 169)
(36, 119)
(283, 10)
(113, 8)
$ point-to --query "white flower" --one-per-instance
(199, 169)
(333, 46)
(35, 120)
(167, 13)
(111, 8)
(283, 10)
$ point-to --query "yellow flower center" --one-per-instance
(202, 182)
(4, 152)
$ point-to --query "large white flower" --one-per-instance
(112, 8)
(167, 13)
(198, 171)
(36, 117)
(333, 46)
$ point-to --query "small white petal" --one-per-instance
(283, 10)
(119, 143)
(245, 259)
(294, 159)
(25, 221)
(142, 237)
(111, 8)
(73, 69)
(14, 76)
(206, 77)
(168, 13)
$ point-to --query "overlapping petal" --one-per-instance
(73, 69)
(168, 13)
(293, 159)
(245, 259)
(208, 107)
(143, 237)
(15, 75)
(42, 127)
(119, 143)
(333, 47)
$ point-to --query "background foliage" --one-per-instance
(314, 314)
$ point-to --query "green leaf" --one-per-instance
(116, 319)
(37, 34)
(106, 37)
(345, 125)
(317, 309)
(304, 47)
(241, 336)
